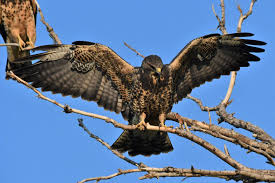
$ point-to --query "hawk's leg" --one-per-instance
(162, 118)
(142, 125)
(29, 43)
(21, 43)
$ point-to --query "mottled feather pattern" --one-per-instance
(209, 57)
(55, 74)
(95, 56)
(18, 25)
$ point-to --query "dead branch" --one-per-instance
(221, 21)
(134, 50)
(243, 17)
(120, 172)
(261, 148)
(10, 44)
(199, 102)
(254, 175)
(258, 133)
(81, 124)
(52, 34)
(234, 73)
(244, 175)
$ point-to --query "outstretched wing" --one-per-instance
(209, 57)
(92, 71)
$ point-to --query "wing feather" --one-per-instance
(209, 57)
(91, 71)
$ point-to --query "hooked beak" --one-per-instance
(158, 70)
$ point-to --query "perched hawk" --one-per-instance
(17, 25)
(142, 94)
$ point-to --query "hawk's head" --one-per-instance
(153, 63)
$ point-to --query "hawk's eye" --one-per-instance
(152, 67)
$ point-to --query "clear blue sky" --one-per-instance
(40, 143)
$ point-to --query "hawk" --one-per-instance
(143, 94)
(17, 25)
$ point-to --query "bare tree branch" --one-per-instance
(222, 28)
(248, 175)
(81, 124)
(234, 73)
(258, 133)
(221, 21)
(49, 28)
(264, 149)
(10, 44)
(243, 17)
(120, 172)
(134, 50)
(199, 102)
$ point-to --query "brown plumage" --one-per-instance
(17, 25)
(142, 94)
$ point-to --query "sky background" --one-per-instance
(40, 143)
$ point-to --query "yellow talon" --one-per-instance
(162, 118)
(141, 125)
(21, 43)
(29, 44)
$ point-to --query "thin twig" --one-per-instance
(226, 150)
(230, 88)
(223, 30)
(223, 16)
(52, 34)
(81, 124)
(10, 44)
(199, 102)
(243, 17)
(221, 22)
(134, 50)
(120, 172)
(234, 73)
(209, 116)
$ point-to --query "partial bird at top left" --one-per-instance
(18, 25)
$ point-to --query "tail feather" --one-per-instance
(145, 142)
